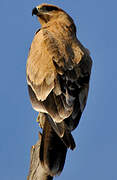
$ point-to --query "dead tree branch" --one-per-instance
(36, 171)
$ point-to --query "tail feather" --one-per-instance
(52, 151)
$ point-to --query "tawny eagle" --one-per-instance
(58, 73)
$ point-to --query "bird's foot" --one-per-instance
(41, 119)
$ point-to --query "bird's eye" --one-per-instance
(48, 8)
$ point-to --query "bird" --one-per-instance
(58, 73)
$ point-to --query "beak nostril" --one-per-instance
(35, 11)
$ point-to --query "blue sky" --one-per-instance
(95, 156)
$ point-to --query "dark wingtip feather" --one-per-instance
(69, 140)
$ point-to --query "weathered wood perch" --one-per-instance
(36, 171)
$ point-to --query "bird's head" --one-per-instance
(47, 13)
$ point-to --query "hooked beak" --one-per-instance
(35, 11)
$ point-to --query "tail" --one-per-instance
(52, 151)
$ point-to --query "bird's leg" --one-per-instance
(41, 119)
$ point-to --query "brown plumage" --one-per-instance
(58, 72)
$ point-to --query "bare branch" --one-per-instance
(37, 172)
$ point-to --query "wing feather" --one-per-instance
(40, 69)
(56, 67)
